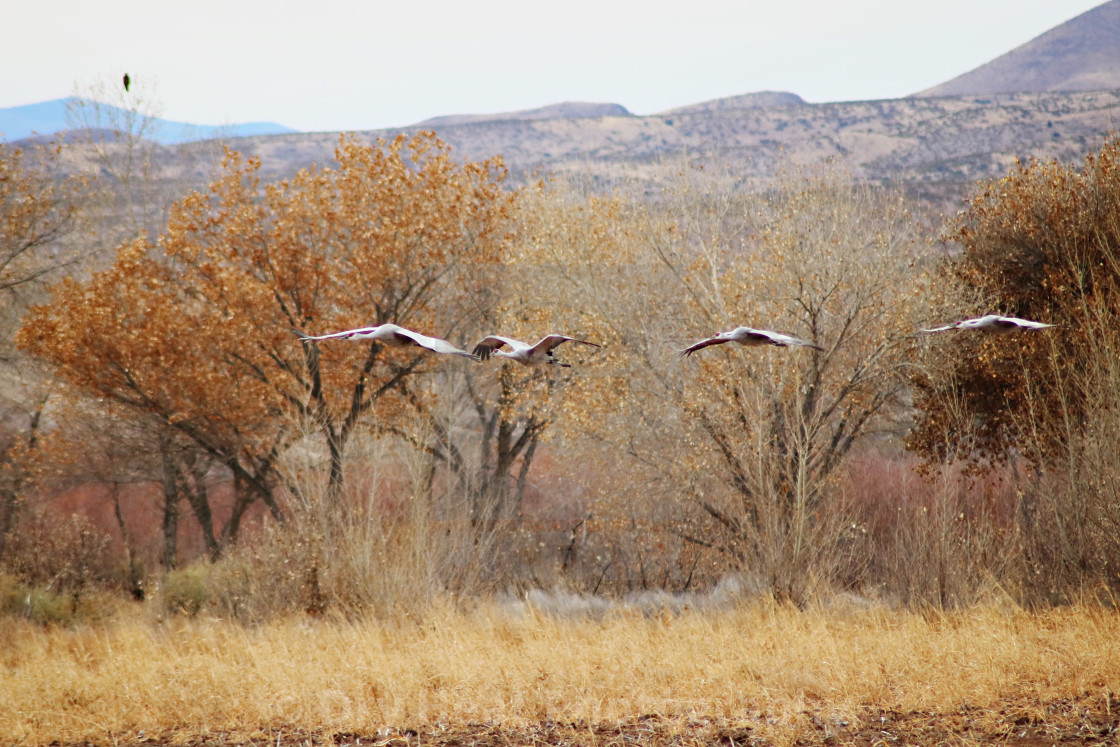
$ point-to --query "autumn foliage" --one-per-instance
(198, 327)
(1042, 243)
(635, 468)
(40, 215)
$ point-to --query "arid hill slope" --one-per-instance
(929, 141)
(1082, 54)
(1066, 102)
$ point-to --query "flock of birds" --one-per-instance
(541, 354)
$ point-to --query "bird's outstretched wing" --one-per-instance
(489, 344)
(435, 344)
(551, 341)
(940, 329)
(784, 341)
(1010, 322)
(361, 333)
(391, 334)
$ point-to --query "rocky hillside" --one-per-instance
(921, 141)
(1082, 54)
(1057, 96)
(938, 144)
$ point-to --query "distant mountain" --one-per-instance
(742, 101)
(565, 110)
(941, 144)
(44, 119)
(937, 144)
(1082, 54)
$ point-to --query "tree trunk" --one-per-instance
(242, 499)
(170, 509)
(9, 499)
(200, 504)
(10, 495)
(135, 582)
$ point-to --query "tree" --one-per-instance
(1043, 243)
(197, 328)
(747, 442)
(1039, 243)
(40, 211)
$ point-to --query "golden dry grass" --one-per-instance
(783, 671)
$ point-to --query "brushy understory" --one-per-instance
(761, 673)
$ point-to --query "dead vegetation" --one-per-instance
(761, 672)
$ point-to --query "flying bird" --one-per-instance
(525, 354)
(393, 336)
(993, 323)
(751, 337)
(127, 81)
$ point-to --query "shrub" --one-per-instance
(57, 554)
(47, 606)
(1042, 243)
(185, 590)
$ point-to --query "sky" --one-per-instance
(347, 65)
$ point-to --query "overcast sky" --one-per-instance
(366, 64)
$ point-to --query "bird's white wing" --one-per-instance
(749, 335)
(940, 329)
(1026, 323)
(489, 344)
(786, 340)
(551, 341)
(360, 333)
(435, 344)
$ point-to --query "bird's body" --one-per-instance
(525, 354)
(751, 337)
(993, 323)
(394, 336)
(127, 81)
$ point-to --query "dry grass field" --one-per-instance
(845, 673)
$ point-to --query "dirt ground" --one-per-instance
(1085, 721)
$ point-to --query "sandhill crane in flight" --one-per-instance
(750, 337)
(993, 323)
(525, 354)
(394, 336)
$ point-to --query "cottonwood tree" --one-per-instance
(748, 441)
(1043, 243)
(98, 443)
(1039, 243)
(495, 418)
(40, 214)
(578, 269)
(197, 327)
